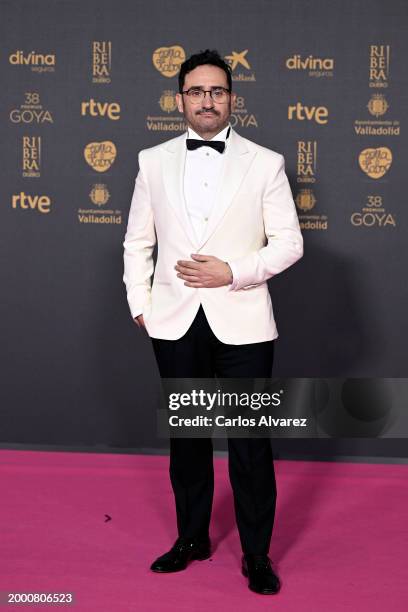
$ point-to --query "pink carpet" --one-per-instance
(340, 539)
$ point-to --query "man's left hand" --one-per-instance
(204, 271)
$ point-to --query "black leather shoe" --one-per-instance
(183, 551)
(262, 578)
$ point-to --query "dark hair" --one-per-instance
(201, 59)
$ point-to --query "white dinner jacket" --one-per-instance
(253, 224)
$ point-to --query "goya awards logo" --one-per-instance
(306, 168)
(241, 117)
(378, 107)
(99, 196)
(373, 214)
(38, 62)
(302, 112)
(25, 201)
(93, 108)
(32, 156)
(100, 155)
(167, 60)
(379, 65)
(167, 121)
(31, 111)
(240, 66)
(101, 61)
(306, 171)
(314, 66)
(375, 162)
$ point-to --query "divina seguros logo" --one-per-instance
(38, 62)
(314, 66)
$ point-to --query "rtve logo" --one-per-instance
(101, 109)
(40, 203)
(301, 112)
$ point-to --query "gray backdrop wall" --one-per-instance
(85, 86)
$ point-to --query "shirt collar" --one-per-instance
(220, 136)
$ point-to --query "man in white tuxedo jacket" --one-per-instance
(221, 211)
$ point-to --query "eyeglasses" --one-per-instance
(197, 95)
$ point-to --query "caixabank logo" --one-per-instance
(167, 60)
(317, 67)
(240, 67)
(101, 61)
(36, 62)
(31, 111)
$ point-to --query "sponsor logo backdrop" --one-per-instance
(86, 85)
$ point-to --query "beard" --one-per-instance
(208, 120)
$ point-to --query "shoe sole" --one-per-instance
(245, 573)
(201, 557)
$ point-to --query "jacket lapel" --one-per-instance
(174, 161)
(238, 159)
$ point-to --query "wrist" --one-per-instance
(230, 275)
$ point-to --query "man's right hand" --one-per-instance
(139, 321)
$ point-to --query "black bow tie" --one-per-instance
(194, 143)
(218, 145)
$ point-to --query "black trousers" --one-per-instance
(250, 461)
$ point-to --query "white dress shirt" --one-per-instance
(202, 175)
